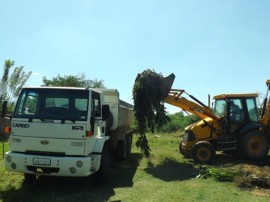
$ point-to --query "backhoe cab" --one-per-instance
(232, 126)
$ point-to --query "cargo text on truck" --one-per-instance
(66, 131)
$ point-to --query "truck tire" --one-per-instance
(254, 145)
(122, 150)
(30, 178)
(203, 152)
(102, 174)
(129, 144)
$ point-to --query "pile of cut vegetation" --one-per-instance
(245, 176)
(150, 112)
(251, 176)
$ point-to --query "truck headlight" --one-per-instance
(79, 164)
(13, 166)
(9, 159)
(72, 170)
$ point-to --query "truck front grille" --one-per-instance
(42, 169)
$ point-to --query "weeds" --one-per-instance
(245, 177)
(220, 174)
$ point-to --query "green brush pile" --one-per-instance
(150, 112)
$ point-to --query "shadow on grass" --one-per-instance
(172, 170)
(75, 189)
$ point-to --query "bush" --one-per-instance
(178, 122)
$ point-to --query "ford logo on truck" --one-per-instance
(20, 125)
(45, 142)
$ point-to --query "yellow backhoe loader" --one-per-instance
(232, 125)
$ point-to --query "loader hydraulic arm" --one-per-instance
(175, 98)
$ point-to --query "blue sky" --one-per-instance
(211, 46)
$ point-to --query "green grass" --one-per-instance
(164, 176)
(3, 148)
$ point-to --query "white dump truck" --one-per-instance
(65, 131)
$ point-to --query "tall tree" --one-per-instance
(73, 81)
(11, 85)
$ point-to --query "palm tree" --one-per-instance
(10, 86)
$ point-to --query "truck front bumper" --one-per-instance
(50, 165)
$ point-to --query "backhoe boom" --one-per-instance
(175, 98)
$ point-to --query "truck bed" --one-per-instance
(122, 112)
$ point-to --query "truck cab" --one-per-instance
(58, 131)
(236, 110)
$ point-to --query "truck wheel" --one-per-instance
(129, 145)
(254, 145)
(203, 152)
(30, 178)
(102, 174)
(183, 151)
(122, 150)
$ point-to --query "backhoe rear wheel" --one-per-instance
(203, 152)
(254, 145)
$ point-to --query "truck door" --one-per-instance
(236, 114)
(232, 112)
(96, 115)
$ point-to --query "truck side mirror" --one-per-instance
(4, 109)
(105, 112)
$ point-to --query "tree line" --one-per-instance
(178, 122)
(12, 82)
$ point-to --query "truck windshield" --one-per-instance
(57, 104)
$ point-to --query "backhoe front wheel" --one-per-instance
(254, 145)
(203, 152)
(183, 151)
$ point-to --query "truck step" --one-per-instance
(226, 144)
(227, 149)
(224, 141)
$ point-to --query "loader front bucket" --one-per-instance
(166, 84)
